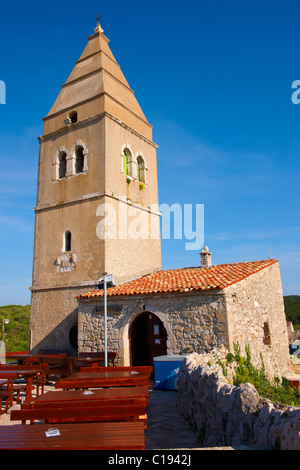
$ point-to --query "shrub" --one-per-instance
(279, 390)
(16, 337)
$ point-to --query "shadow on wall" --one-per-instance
(64, 337)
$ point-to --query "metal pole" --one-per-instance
(105, 321)
(2, 337)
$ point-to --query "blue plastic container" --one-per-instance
(166, 370)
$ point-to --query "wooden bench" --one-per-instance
(14, 355)
(79, 414)
(140, 401)
(105, 395)
(117, 368)
(8, 397)
(8, 392)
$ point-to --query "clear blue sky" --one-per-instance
(213, 78)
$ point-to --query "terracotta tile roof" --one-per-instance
(185, 279)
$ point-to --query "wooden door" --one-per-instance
(157, 338)
(148, 339)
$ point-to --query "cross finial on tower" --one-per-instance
(98, 28)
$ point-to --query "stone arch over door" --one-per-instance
(147, 339)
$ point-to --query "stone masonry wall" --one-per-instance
(225, 415)
(256, 317)
(53, 313)
(194, 322)
(250, 312)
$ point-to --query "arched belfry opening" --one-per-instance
(148, 339)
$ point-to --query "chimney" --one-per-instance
(205, 257)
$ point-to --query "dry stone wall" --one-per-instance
(225, 415)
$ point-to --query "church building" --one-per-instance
(96, 159)
(97, 192)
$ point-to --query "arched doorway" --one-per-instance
(148, 339)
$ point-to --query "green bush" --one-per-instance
(292, 309)
(244, 371)
(16, 332)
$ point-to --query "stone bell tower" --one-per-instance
(97, 195)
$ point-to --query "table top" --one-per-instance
(11, 373)
(23, 357)
(104, 379)
(79, 436)
(97, 394)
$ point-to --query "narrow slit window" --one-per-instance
(267, 334)
(79, 159)
(127, 162)
(62, 164)
(67, 240)
(140, 169)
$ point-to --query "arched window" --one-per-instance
(79, 163)
(140, 169)
(67, 241)
(73, 116)
(62, 164)
(127, 162)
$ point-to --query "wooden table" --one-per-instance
(118, 378)
(105, 394)
(29, 358)
(4, 382)
(28, 374)
(94, 358)
(97, 405)
(77, 436)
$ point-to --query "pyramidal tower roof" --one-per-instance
(97, 74)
